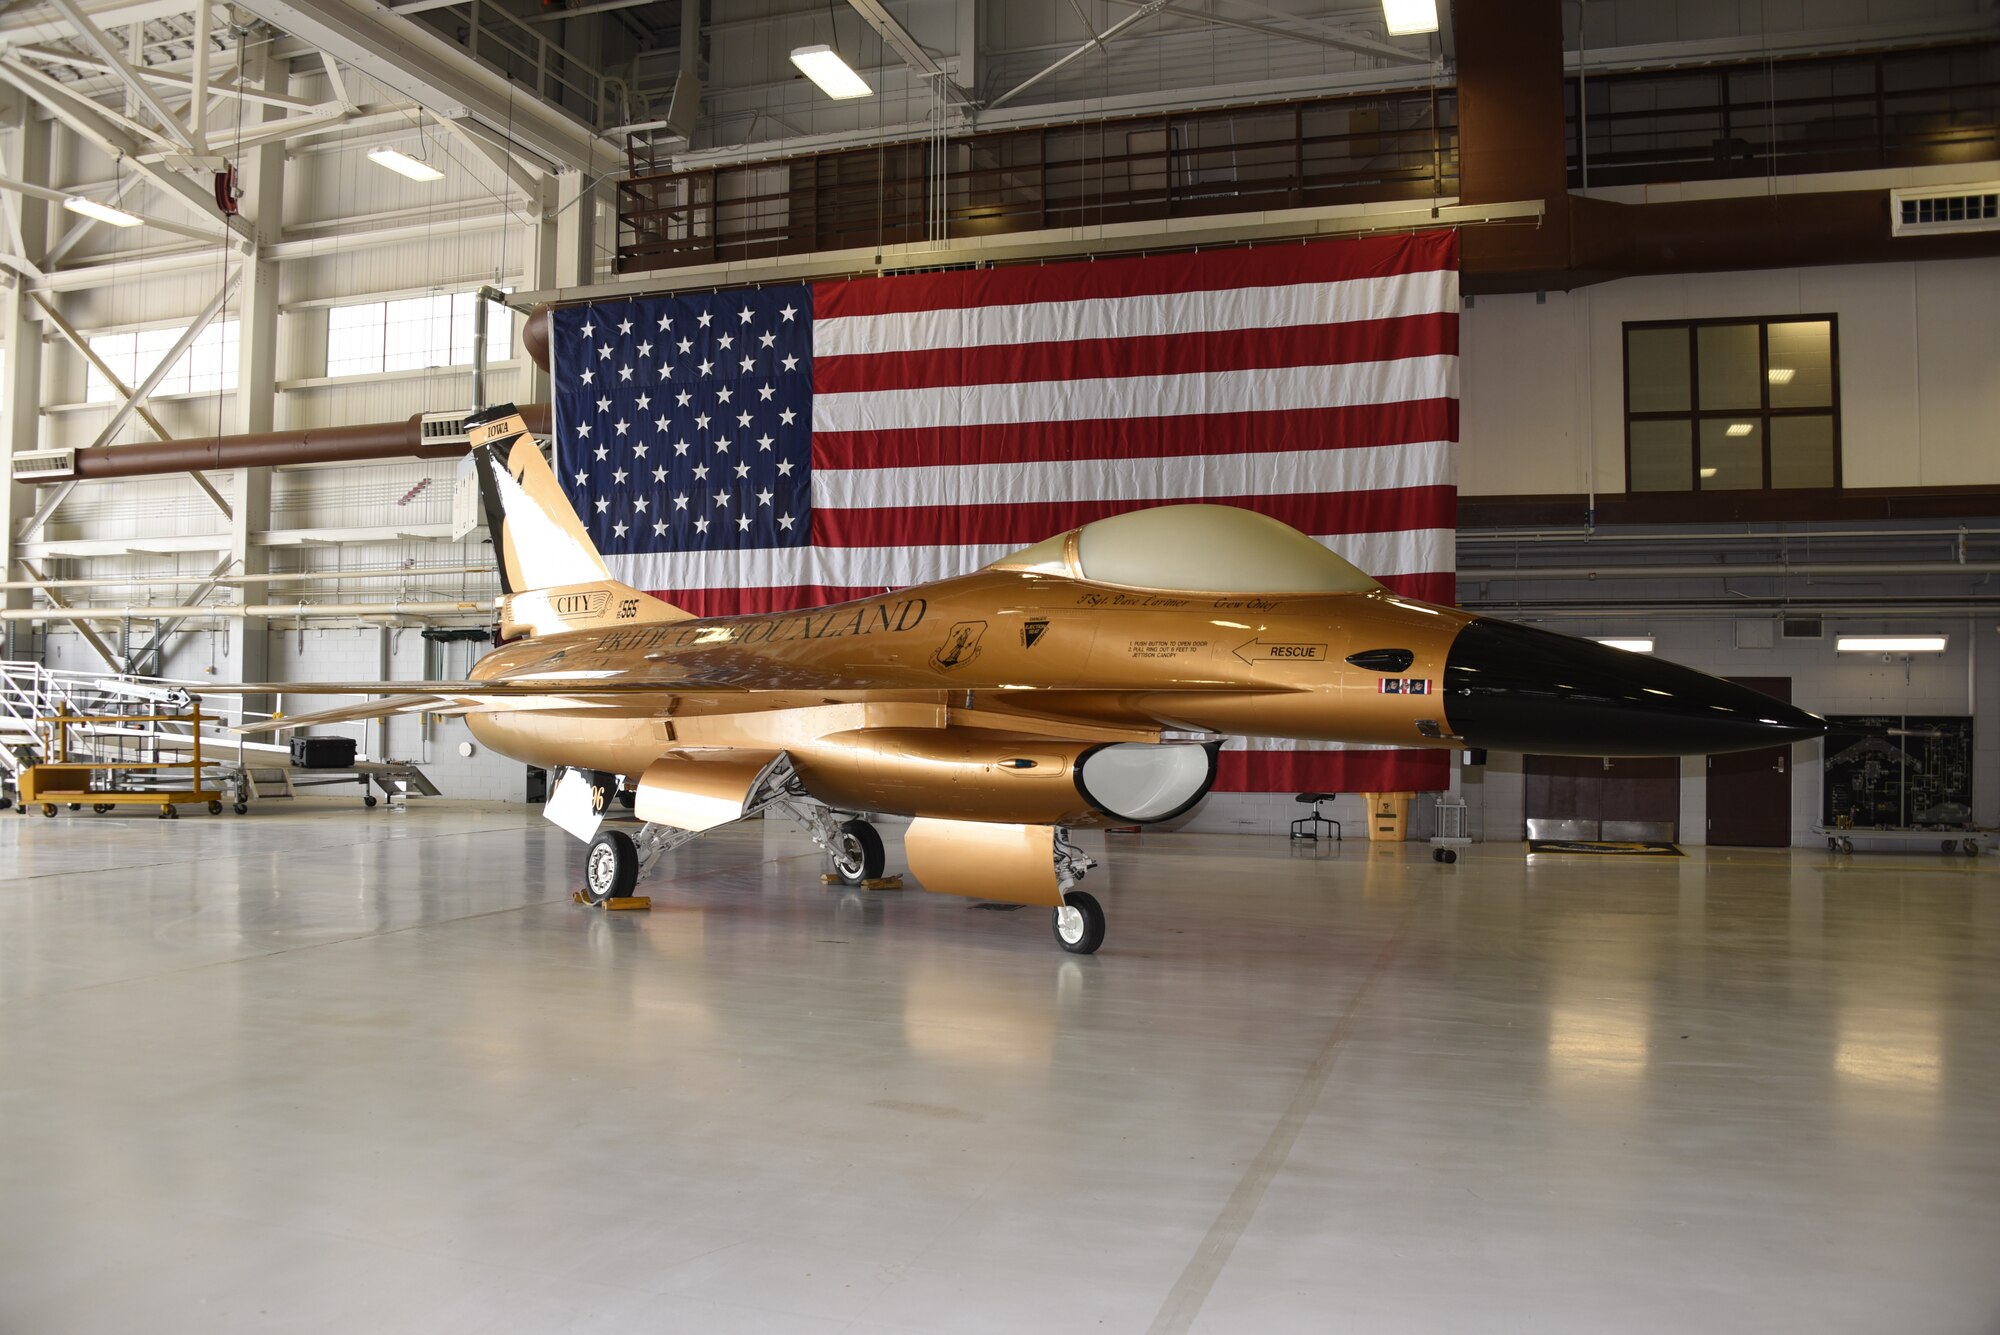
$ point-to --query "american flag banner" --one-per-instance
(788, 446)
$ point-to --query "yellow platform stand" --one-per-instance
(1388, 816)
(64, 782)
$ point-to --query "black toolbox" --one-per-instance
(323, 752)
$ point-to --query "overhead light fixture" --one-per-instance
(1710, 472)
(1890, 644)
(404, 165)
(1780, 375)
(1643, 645)
(103, 213)
(1407, 18)
(1739, 429)
(835, 77)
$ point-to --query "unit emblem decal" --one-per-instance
(961, 645)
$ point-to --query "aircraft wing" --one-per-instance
(443, 697)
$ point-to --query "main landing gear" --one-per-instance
(611, 868)
(857, 853)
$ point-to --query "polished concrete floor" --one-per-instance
(312, 1070)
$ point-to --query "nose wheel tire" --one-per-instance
(857, 854)
(1079, 923)
(611, 868)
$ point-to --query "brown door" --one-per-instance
(1750, 792)
(1620, 789)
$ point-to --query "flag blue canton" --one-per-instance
(684, 423)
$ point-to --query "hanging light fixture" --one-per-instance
(404, 165)
(835, 77)
(103, 213)
(1407, 18)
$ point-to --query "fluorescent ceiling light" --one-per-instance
(103, 213)
(1890, 644)
(1709, 472)
(835, 77)
(1780, 375)
(1643, 645)
(1739, 429)
(404, 165)
(1406, 18)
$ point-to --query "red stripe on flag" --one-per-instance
(1205, 271)
(1142, 437)
(1411, 771)
(1430, 335)
(957, 525)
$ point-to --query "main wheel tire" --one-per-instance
(611, 867)
(858, 854)
(1079, 923)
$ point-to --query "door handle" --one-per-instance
(1781, 764)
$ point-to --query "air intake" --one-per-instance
(1802, 628)
(44, 465)
(1950, 208)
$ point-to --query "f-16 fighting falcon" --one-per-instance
(1087, 680)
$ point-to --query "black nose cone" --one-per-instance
(1516, 688)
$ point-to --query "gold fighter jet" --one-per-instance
(1088, 680)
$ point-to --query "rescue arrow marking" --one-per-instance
(1259, 652)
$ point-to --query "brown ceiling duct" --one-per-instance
(270, 449)
(535, 336)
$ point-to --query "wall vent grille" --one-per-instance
(445, 429)
(1955, 208)
(44, 464)
(1803, 628)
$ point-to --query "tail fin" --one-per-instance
(552, 577)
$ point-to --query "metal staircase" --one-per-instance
(250, 770)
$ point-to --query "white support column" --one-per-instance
(24, 139)
(541, 269)
(261, 173)
(576, 230)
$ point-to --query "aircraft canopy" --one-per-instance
(1203, 548)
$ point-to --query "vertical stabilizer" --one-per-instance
(552, 577)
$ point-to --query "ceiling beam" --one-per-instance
(181, 82)
(33, 191)
(405, 55)
(93, 37)
(906, 46)
(1146, 10)
(107, 130)
(167, 360)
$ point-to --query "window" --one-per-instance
(208, 366)
(410, 335)
(1732, 405)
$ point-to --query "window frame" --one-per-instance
(1694, 415)
(500, 331)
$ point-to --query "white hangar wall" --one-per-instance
(1542, 389)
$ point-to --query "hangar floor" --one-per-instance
(315, 1070)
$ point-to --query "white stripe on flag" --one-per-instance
(1140, 317)
(1263, 389)
(1176, 477)
(1405, 552)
